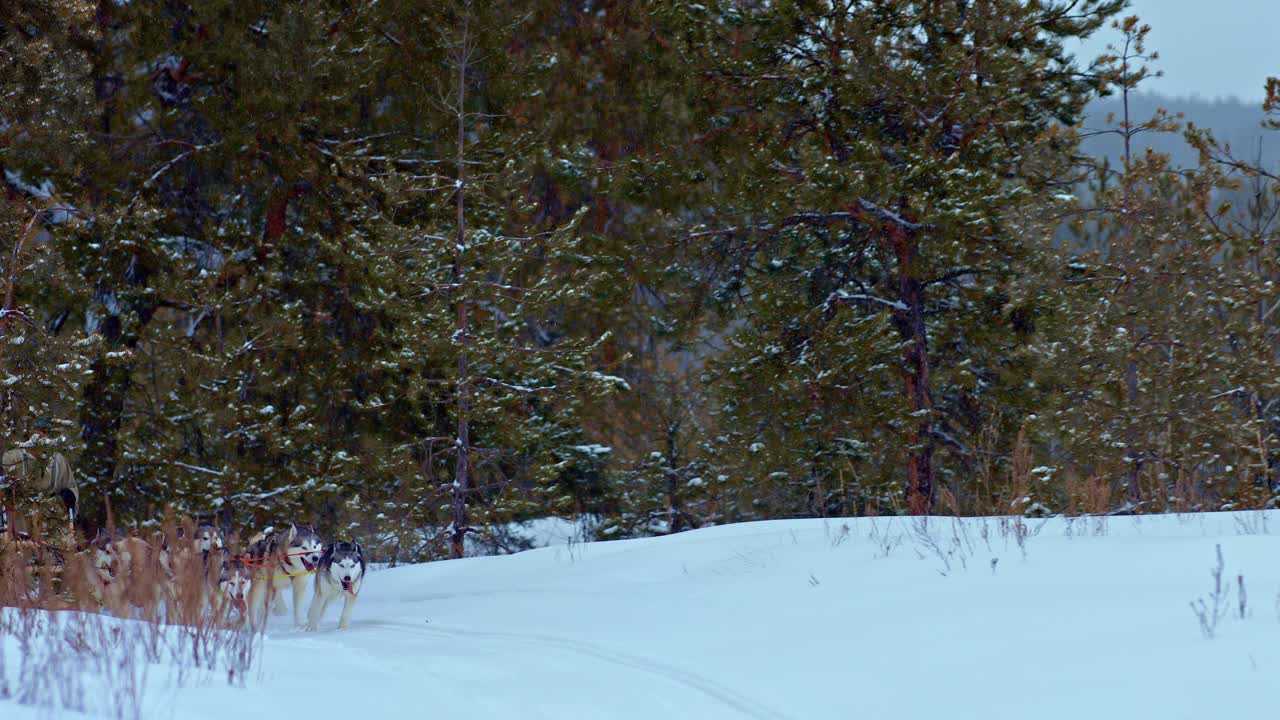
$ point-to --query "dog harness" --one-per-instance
(264, 562)
(284, 559)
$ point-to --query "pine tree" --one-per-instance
(867, 234)
(619, 104)
(1154, 351)
(493, 276)
(260, 260)
(1242, 311)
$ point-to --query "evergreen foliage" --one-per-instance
(414, 271)
(864, 245)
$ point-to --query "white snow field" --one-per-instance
(794, 619)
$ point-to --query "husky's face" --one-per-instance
(234, 582)
(108, 553)
(305, 546)
(346, 564)
(104, 564)
(208, 538)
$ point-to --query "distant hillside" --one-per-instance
(1231, 121)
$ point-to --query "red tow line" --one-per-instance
(262, 561)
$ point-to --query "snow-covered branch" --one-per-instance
(842, 297)
(197, 468)
(892, 217)
(805, 218)
(817, 218)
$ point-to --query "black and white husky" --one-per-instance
(207, 539)
(341, 572)
(283, 560)
(235, 580)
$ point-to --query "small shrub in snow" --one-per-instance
(1252, 523)
(1015, 527)
(1211, 610)
(1243, 597)
(953, 547)
(884, 539)
(837, 538)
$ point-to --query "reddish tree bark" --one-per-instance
(277, 210)
(910, 323)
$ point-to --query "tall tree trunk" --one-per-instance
(674, 524)
(1131, 437)
(100, 418)
(1131, 364)
(910, 323)
(462, 466)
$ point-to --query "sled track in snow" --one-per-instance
(679, 676)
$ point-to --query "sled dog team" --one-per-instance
(247, 585)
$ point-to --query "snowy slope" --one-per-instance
(796, 619)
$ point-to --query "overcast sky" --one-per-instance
(1208, 48)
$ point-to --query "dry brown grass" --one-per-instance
(985, 500)
(1088, 496)
(946, 503)
(1018, 488)
(92, 627)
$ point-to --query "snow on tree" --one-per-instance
(866, 235)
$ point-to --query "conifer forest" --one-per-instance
(418, 270)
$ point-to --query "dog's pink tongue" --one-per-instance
(346, 585)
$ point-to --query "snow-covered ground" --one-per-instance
(527, 534)
(796, 619)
